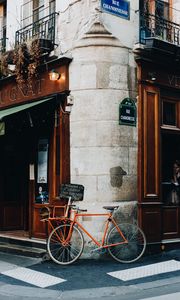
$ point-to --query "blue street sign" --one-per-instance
(119, 8)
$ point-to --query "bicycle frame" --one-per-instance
(65, 242)
(74, 220)
(109, 220)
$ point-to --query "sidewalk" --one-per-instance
(86, 279)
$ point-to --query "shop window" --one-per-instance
(170, 148)
(170, 159)
(169, 113)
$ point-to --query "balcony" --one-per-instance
(159, 37)
(42, 30)
(152, 26)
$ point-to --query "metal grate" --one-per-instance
(153, 26)
(44, 29)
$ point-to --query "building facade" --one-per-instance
(158, 75)
(103, 122)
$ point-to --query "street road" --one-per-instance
(154, 277)
(174, 296)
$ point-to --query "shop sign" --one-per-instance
(119, 8)
(11, 93)
(127, 112)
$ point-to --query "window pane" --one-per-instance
(51, 6)
(169, 113)
(38, 10)
(162, 9)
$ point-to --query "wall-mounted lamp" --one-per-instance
(54, 75)
(152, 76)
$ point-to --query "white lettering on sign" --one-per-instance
(127, 118)
(174, 80)
(17, 93)
(115, 2)
(115, 9)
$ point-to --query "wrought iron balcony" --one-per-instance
(159, 28)
(43, 29)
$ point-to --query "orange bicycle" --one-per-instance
(125, 242)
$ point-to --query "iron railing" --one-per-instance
(44, 28)
(154, 26)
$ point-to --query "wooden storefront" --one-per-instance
(159, 147)
(34, 148)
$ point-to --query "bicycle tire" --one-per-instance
(127, 252)
(61, 250)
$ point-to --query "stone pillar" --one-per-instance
(103, 153)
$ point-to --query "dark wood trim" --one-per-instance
(52, 165)
(31, 202)
(151, 222)
(151, 142)
(148, 144)
(64, 147)
(149, 198)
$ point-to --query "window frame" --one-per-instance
(177, 112)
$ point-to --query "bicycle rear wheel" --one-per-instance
(130, 251)
(65, 248)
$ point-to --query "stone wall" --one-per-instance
(102, 74)
(103, 153)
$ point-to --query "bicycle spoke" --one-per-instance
(130, 251)
(56, 251)
(65, 246)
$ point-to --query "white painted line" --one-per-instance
(33, 277)
(149, 270)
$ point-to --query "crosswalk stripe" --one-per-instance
(145, 271)
(33, 277)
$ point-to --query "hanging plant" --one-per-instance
(27, 60)
(4, 65)
(21, 61)
(35, 58)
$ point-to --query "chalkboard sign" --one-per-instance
(127, 112)
(75, 191)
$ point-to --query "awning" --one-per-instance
(16, 109)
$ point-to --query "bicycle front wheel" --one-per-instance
(130, 251)
(65, 244)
